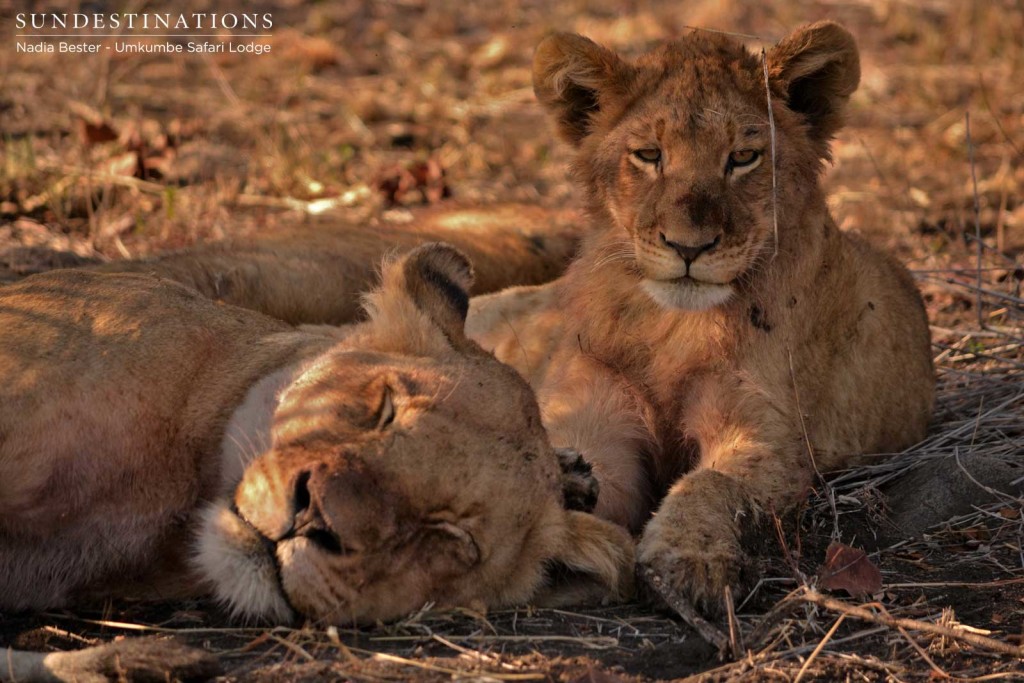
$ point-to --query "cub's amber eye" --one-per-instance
(744, 157)
(648, 156)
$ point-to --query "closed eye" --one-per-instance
(650, 155)
(386, 412)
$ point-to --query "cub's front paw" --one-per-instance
(697, 567)
(579, 485)
(692, 545)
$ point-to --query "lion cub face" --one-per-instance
(407, 467)
(675, 147)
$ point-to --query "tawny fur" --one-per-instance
(688, 354)
(315, 273)
(395, 463)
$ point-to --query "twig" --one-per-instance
(771, 127)
(772, 618)
(939, 671)
(857, 612)
(998, 583)
(814, 653)
(735, 638)
(977, 214)
(987, 489)
(445, 670)
(293, 647)
(685, 610)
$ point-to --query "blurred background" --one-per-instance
(361, 107)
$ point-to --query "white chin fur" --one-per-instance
(690, 296)
(232, 558)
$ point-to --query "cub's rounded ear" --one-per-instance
(574, 78)
(818, 67)
(438, 278)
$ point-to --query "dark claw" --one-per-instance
(579, 486)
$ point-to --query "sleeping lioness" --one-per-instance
(718, 338)
(154, 442)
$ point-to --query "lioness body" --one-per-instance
(149, 435)
(116, 394)
(315, 273)
(719, 337)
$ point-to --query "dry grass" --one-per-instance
(231, 146)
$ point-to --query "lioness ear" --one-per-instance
(819, 68)
(438, 278)
(449, 549)
(574, 78)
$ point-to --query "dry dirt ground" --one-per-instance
(366, 107)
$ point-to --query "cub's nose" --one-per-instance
(308, 521)
(687, 253)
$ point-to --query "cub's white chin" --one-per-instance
(231, 556)
(687, 294)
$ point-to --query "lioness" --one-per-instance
(344, 475)
(719, 338)
(315, 273)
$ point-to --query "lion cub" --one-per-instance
(719, 337)
(151, 436)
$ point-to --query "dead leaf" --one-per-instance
(849, 569)
(402, 184)
(96, 133)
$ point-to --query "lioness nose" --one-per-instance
(690, 254)
(308, 520)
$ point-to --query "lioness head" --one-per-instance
(407, 467)
(675, 147)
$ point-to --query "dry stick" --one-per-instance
(821, 646)
(999, 495)
(977, 214)
(686, 611)
(295, 648)
(771, 126)
(772, 618)
(735, 638)
(939, 671)
(956, 584)
(858, 612)
(384, 656)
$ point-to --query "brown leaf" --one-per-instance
(404, 184)
(849, 569)
(96, 133)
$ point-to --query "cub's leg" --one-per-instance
(751, 459)
(595, 413)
